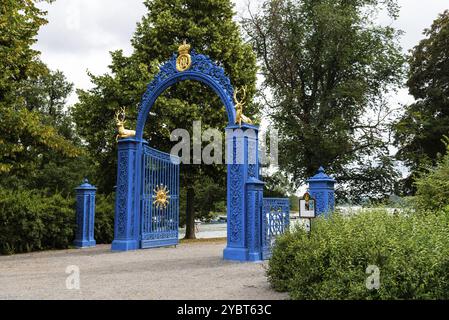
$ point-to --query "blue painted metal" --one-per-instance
(322, 189)
(85, 215)
(126, 222)
(202, 69)
(133, 225)
(244, 190)
(159, 225)
(275, 221)
(254, 200)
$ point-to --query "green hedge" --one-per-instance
(411, 252)
(104, 218)
(30, 221)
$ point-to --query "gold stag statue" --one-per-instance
(239, 116)
(120, 121)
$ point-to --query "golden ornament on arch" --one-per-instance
(184, 61)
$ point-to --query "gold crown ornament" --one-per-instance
(184, 61)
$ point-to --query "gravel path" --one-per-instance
(190, 271)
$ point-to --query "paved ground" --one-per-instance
(207, 230)
(218, 230)
(190, 271)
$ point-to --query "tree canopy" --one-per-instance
(327, 66)
(425, 122)
(27, 134)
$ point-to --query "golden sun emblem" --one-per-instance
(161, 197)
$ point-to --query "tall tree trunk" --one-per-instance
(190, 214)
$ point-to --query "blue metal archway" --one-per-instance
(133, 220)
(202, 69)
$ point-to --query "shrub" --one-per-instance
(104, 218)
(58, 216)
(432, 187)
(411, 252)
(30, 221)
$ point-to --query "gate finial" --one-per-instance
(120, 122)
(239, 116)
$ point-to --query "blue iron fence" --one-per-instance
(275, 221)
(160, 199)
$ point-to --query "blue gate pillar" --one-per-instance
(254, 201)
(244, 194)
(126, 226)
(321, 188)
(85, 215)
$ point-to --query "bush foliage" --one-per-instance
(411, 251)
(104, 218)
(30, 221)
(432, 187)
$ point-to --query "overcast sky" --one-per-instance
(80, 33)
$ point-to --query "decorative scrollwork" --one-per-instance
(236, 200)
(122, 193)
(275, 219)
(199, 63)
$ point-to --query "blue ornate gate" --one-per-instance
(275, 221)
(160, 199)
(146, 214)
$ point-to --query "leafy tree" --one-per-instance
(209, 28)
(39, 151)
(210, 199)
(277, 185)
(327, 67)
(421, 129)
(25, 135)
(47, 95)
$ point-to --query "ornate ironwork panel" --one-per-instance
(275, 221)
(160, 199)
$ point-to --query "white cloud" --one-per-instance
(81, 33)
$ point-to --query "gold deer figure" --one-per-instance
(120, 122)
(239, 116)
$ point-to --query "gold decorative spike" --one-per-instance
(239, 116)
(161, 197)
(120, 121)
(184, 61)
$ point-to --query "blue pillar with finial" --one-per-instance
(85, 215)
(321, 188)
